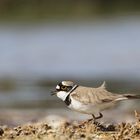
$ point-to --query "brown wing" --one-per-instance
(93, 95)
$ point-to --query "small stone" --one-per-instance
(1, 131)
(83, 136)
(111, 127)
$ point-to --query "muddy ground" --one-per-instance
(64, 130)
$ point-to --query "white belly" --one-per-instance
(86, 109)
(89, 108)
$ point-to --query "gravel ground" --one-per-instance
(57, 128)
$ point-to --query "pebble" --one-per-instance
(1, 131)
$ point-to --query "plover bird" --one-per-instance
(89, 100)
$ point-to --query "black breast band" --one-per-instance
(68, 100)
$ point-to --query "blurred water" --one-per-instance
(88, 50)
(83, 49)
(27, 97)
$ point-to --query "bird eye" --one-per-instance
(63, 87)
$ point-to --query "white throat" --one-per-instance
(62, 95)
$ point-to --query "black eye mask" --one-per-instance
(64, 88)
(68, 88)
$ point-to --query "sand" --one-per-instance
(75, 130)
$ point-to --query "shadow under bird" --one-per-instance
(89, 100)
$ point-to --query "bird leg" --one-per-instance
(96, 118)
(93, 120)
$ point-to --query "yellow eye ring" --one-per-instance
(63, 87)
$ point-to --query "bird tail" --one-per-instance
(132, 96)
(127, 96)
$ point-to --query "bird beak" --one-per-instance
(54, 92)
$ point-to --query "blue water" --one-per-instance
(93, 49)
(108, 47)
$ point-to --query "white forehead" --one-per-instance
(67, 83)
(57, 87)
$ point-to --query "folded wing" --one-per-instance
(93, 95)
